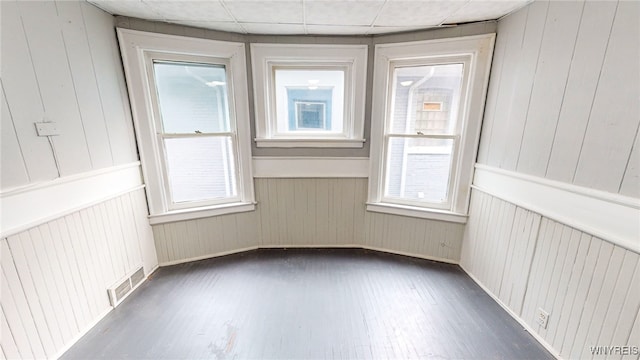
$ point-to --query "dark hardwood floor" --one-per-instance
(308, 304)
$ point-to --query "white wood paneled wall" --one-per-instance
(55, 276)
(590, 287)
(563, 96)
(308, 212)
(60, 62)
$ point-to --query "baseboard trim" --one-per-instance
(348, 246)
(515, 316)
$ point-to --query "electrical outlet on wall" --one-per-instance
(542, 317)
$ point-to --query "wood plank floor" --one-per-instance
(307, 304)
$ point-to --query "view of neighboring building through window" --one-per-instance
(190, 107)
(309, 100)
(422, 134)
(309, 95)
(428, 98)
(198, 147)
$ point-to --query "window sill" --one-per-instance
(413, 211)
(200, 212)
(310, 143)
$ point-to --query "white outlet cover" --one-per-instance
(542, 318)
(47, 129)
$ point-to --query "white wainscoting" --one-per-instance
(308, 212)
(55, 275)
(589, 287)
(612, 217)
(30, 205)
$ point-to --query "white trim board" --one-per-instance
(26, 207)
(310, 167)
(611, 217)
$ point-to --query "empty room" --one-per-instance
(320, 179)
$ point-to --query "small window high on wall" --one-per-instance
(309, 95)
(189, 101)
(428, 103)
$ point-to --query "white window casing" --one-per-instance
(475, 53)
(350, 59)
(139, 51)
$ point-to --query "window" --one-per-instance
(428, 103)
(309, 95)
(191, 114)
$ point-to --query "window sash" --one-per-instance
(172, 205)
(447, 205)
(152, 57)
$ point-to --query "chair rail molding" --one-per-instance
(611, 217)
(28, 206)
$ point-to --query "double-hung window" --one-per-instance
(191, 116)
(428, 103)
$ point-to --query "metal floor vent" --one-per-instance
(120, 290)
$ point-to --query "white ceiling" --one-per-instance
(329, 17)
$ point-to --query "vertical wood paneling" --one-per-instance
(555, 105)
(23, 95)
(595, 28)
(554, 60)
(56, 69)
(7, 340)
(525, 70)
(492, 96)
(589, 287)
(110, 79)
(512, 40)
(67, 321)
(14, 171)
(55, 275)
(307, 212)
(56, 87)
(625, 301)
(631, 183)
(18, 307)
(578, 338)
(76, 44)
(614, 118)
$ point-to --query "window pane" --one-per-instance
(418, 169)
(192, 97)
(426, 99)
(200, 168)
(309, 100)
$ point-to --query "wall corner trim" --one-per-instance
(612, 217)
(31, 205)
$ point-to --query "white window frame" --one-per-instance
(139, 49)
(352, 59)
(475, 52)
